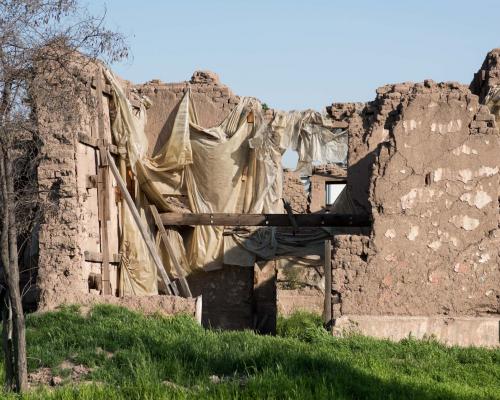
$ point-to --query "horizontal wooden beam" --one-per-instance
(93, 256)
(302, 220)
(94, 142)
(340, 124)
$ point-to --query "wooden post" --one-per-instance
(327, 310)
(170, 251)
(171, 287)
(291, 217)
(198, 309)
(103, 187)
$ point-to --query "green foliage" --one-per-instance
(302, 325)
(137, 357)
(292, 278)
(265, 107)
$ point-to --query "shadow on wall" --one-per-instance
(227, 296)
(360, 166)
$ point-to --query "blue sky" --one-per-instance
(305, 54)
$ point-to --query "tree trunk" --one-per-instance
(14, 339)
(5, 299)
(19, 331)
(7, 339)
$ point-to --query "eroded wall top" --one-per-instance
(212, 99)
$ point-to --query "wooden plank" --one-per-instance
(302, 220)
(103, 186)
(103, 216)
(170, 251)
(93, 142)
(171, 287)
(340, 124)
(327, 309)
(92, 256)
(198, 309)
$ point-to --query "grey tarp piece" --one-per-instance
(231, 168)
(244, 247)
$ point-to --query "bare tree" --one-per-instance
(43, 45)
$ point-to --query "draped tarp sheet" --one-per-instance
(243, 247)
(231, 168)
(138, 275)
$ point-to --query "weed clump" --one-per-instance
(302, 325)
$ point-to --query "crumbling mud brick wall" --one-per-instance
(360, 154)
(434, 202)
(61, 233)
(440, 171)
(488, 76)
(70, 228)
(295, 192)
(349, 264)
(227, 296)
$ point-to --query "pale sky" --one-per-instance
(295, 54)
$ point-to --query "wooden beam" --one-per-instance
(96, 257)
(302, 220)
(94, 142)
(170, 251)
(327, 306)
(340, 124)
(103, 186)
(171, 287)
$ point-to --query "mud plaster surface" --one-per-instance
(433, 197)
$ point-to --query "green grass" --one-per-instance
(173, 358)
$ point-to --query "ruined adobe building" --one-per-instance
(423, 165)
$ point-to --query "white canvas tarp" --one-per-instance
(231, 168)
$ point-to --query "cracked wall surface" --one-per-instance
(433, 196)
